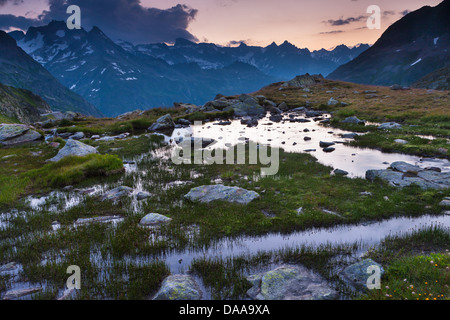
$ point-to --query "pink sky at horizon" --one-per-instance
(261, 22)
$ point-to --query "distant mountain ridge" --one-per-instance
(283, 61)
(19, 70)
(411, 48)
(120, 78)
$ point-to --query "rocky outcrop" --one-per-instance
(163, 123)
(207, 194)
(290, 283)
(402, 174)
(178, 287)
(304, 81)
(73, 148)
(21, 105)
(14, 134)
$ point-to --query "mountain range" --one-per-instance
(411, 48)
(121, 77)
(19, 70)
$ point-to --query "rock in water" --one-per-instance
(290, 283)
(163, 123)
(357, 274)
(178, 287)
(74, 148)
(117, 193)
(390, 126)
(154, 219)
(13, 134)
(15, 294)
(207, 194)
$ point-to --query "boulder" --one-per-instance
(163, 123)
(207, 194)
(357, 275)
(354, 120)
(247, 106)
(402, 174)
(14, 134)
(340, 172)
(73, 148)
(77, 136)
(290, 283)
(154, 219)
(303, 81)
(178, 287)
(333, 102)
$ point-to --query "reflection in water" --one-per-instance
(291, 137)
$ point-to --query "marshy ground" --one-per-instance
(124, 260)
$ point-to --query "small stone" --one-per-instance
(154, 219)
(178, 287)
(340, 172)
(143, 195)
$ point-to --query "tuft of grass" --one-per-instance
(72, 170)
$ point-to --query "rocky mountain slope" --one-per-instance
(18, 69)
(21, 105)
(437, 80)
(409, 49)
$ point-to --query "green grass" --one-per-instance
(417, 266)
(72, 170)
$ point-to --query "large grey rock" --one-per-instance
(163, 123)
(117, 193)
(249, 107)
(154, 219)
(178, 287)
(290, 283)
(333, 102)
(354, 120)
(402, 174)
(73, 148)
(207, 194)
(77, 136)
(357, 275)
(13, 134)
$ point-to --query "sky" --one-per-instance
(312, 24)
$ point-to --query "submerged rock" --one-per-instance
(154, 219)
(73, 148)
(117, 193)
(290, 283)
(178, 287)
(105, 219)
(357, 274)
(15, 294)
(390, 126)
(207, 194)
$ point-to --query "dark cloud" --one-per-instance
(405, 12)
(332, 32)
(125, 19)
(15, 2)
(342, 21)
